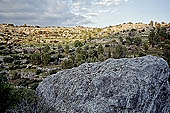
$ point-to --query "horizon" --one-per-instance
(86, 13)
(27, 25)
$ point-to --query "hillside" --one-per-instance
(29, 54)
(34, 34)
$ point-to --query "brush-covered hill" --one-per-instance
(29, 54)
(35, 34)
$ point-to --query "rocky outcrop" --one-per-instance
(137, 85)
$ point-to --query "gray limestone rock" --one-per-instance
(128, 85)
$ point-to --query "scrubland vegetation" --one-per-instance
(29, 54)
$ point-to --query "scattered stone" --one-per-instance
(4, 72)
(29, 66)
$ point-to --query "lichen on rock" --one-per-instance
(128, 85)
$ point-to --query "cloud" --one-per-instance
(54, 12)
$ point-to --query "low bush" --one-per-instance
(38, 71)
(14, 75)
(35, 58)
(8, 59)
(10, 96)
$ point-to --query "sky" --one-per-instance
(92, 13)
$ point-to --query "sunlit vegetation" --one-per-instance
(29, 58)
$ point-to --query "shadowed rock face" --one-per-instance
(137, 85)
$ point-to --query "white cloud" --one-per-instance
(54, 12)
(110, 2)
(105, 2)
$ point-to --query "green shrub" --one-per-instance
(4, 52)
(35, 58)
(67, 64)
(17, 62)
(77, 43)
(142, 54)
(120, 51)
(100, 49)
(15, 75)
(13, 67)
(66, 49)
(16, 56)
(2, 47)
(86, 47)
(145, 46)
(45, 58)
(18, 94)
(53, 72)
(10, 96)
(5, 90)
(137, 41)
(22, 100)
(38, 71)
(129, 41)
(34, 86)
(8, 59)
(92, 53)
(46, 49)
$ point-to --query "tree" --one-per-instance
(121, 40)
(145, 46)
(129, 41)
(25, 25)
(130, 23)
(166, 50)
(72, 57)
(66, 49)
(151, 23)
(120, 51)
(77, 43)
(151, 38)
(8, 59)
(92, 53)
(137, 41)
(78, 50)
(156, 23)
(46, 49)
(157, 38)
(45, 58)
(4, 93)
(79, 57)
(136, 50)
(35, 58)
(133, 30)
(100, 49)
(163, 33)
(163, 22)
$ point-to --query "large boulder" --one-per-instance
(128, 85)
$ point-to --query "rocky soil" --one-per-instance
(128, 85)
